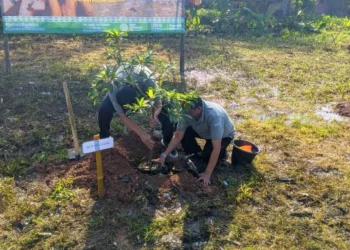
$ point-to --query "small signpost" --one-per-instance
(88, 147)
(96, 146)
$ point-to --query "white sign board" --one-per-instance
(98, 145)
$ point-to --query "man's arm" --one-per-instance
(212, 161)
(175, 141)
(216, 132)
(130, 124)
(172, 145)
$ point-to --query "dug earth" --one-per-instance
(122, 180)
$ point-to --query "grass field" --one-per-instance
(281, 95)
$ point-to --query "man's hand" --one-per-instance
(147, 140)
(130, 124)
(205, 177)
(160, 160)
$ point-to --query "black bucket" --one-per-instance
(240, 156)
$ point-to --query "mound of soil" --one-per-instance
(343, 109)
(122, 181)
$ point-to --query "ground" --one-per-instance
(121, 177)
(343, 108)
(289, 97)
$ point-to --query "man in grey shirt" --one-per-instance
(208, 121)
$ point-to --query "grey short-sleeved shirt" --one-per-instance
(213, 124)
(121, 74)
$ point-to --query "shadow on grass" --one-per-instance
(173, 212)
(209, 219)
(211, 44)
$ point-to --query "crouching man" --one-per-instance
(207, 121)
(115, 100)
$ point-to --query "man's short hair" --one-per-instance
(198, 102)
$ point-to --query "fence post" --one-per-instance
(182, 57)
(100, 187)
(7, 54)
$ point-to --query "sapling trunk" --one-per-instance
(151, 151)
(150, 157)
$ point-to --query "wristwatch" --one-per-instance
(163, 155)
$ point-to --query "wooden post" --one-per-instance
(72, 122)
(182, 57)
(99, 171)
(286, 7)
(7, 54)
(182, 48)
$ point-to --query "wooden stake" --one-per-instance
(7, 54)
(100, 187)
(72, 122)
(182, 58)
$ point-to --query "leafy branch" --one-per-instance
(149, 99)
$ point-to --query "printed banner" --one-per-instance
(92, 16)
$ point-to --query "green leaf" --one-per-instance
(150, 93)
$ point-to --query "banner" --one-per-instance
(92, 16)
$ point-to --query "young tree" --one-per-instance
(150, 100)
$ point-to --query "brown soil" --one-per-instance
(122, 181)
(343, 109)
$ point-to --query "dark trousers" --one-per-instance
(190, 145)
(105, 116)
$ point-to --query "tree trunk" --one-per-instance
(150, 157)
(286, 7)
(345, 7)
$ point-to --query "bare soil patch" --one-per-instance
(343, 109)
(121, 178)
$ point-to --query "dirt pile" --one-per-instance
(121, 178)
(343, 109)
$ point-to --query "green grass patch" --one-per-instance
(15, 167)
(62, 190)
(7, 195)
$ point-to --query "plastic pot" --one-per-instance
(243, 152)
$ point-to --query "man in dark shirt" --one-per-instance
(114, 101)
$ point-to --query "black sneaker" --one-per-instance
(174, 153)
